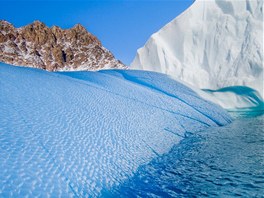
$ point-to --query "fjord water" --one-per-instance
(223, 161)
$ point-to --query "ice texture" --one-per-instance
(235, 98)
(212, 45)
(76, 134)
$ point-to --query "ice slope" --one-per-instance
(79, 133)
(212, 45)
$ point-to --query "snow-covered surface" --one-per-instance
(78, 133)
(213, 44)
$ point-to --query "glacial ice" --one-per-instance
(78, 133)
(212, 45)
(235, 97)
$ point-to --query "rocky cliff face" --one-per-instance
(53, 49)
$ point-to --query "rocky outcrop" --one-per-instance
(53, 49)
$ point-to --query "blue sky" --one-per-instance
(122, 25)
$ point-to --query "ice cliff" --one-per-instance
(212, 45)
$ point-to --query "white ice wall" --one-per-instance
(213, 44)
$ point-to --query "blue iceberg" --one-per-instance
(81, 133)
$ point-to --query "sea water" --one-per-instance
(219, 162)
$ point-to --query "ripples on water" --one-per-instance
(224, 161)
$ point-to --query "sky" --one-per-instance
(122, 26)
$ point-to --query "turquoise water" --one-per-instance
(219, 162)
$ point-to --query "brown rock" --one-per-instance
(37, 45)
(2, 38)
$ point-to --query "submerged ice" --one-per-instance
(79, 133)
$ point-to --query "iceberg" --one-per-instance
(235, 97)
(212, 45)
(80, 133)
